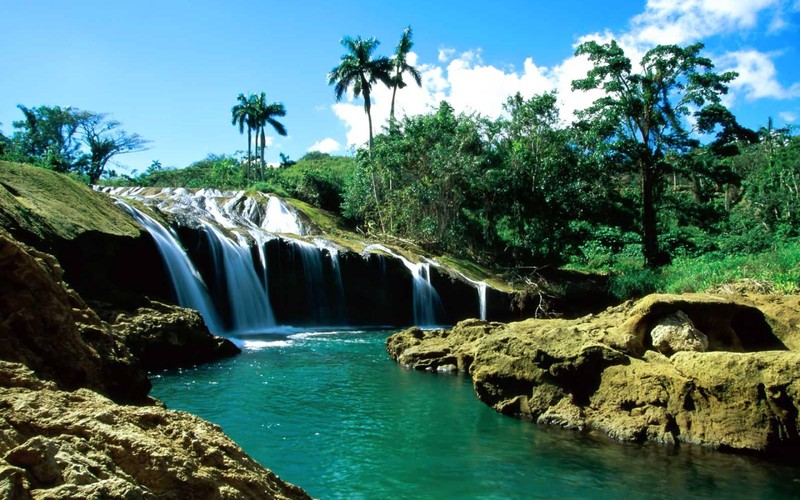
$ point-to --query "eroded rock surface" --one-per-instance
(602, 373)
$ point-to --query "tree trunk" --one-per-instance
(367, 109)
(391, 110)
(649, 224)
(249, 152)
(263, 147)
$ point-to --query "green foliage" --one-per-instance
(634, 282)
(643, 116)
(400, 66)
(778, 265)
(317, 178)
(215, 171)
(254, 112)
(69, 140)
(422, 182)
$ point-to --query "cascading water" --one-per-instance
(316, 298)
(250, 306)
(189, 287)
(279, 219)
(337, 279)
(426, 299)
(482, 299)
(322, 283)
(253, 235)
(428, 306)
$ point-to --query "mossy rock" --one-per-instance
(44, 205)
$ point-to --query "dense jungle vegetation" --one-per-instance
(656, 184)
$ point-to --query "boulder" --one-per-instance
(676, 332)
(166, 336)
(603, 373)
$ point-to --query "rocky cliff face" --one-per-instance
(93, 240)
(601, 373)
(47, 327)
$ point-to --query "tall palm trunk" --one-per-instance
(263, 144)
(368, 109)
(391, 110)
(249, 151)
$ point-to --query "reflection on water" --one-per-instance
(331, 412)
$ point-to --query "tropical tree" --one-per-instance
(48, 136)
(243, 114)
(104, 139)
(70, 140)
(645, 115)
(358, 69)
(400, 65)
(266, 114)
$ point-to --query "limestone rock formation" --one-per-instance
(57, 444)
(601, 372)
(166, 336)
(675, 333)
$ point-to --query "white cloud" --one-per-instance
(683, 21)
(446, 54)
(465, 82)
(788, 116)
(326, 145)
(758, 77)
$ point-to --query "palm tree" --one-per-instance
(359, 70)
(267, 114)
(400, 65)
(244, 114)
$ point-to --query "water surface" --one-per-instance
(329, 411)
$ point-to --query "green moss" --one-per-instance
(48, 204)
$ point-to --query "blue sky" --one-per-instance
(171, 70)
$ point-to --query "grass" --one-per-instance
(776, 270)
(46, 203)
(780, 267)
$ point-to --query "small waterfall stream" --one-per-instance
(250, 306)
(189, 287)
(428, 308)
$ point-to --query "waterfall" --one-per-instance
(254, 245)
(316, 299)
(482, 298)
(324, 292)
(189, 287)
(249, 301)
(426, 298)
(428, 306)
(337, 279)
